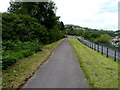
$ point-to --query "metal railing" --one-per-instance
(109, 51)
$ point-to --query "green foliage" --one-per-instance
(86, 35)
(93, 36)
(17, 46)
(104, 38)
(27, 25)
(22, 28)
(42, 11)
(55, 32)
(28, 21)
(13, 51)
(26, 67)
(79, 31)
(62, 26)
(117, 33)
(101, 36)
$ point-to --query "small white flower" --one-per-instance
(14, 71)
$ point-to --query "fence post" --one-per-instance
(102, 49)
(115, 56)
(98, 47)
(90, 44)
(94, 46)
(107, 52)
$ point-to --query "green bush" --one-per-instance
(13, 51)
(22, 28)
(23, 34)
(17, 46)
(17, 27)
(104, 38)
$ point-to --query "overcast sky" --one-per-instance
(97, 14)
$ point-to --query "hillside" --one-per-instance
(78, 30)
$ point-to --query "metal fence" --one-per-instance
(109, 51)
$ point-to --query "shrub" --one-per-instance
(104, 38)
(13, 51)
(22, 28)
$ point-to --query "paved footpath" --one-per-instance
(61, 70)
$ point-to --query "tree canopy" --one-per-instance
(43, 11)
(26, 27)
(28, 21)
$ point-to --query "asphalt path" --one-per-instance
(61, 70)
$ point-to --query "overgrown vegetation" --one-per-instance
(26, 27)
(101, 72)
(13, 51)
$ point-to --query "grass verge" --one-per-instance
(17, 75)
(101, 72)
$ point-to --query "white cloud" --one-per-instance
(4, 4)
(101, 14)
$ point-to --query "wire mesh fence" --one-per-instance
(109, 51)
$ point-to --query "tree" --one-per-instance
(43, 11)
(62, 26)
(22, 28)
(86, 35)
(44, 21)
(104, 38)
(93, 36)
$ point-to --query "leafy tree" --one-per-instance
(86, 35)
(62, 26)
(22, 28)
(43, 11)
(104, 38)
(93, 36)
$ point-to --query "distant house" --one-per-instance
(118, 43)
(115, 41)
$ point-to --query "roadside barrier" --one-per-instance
(109, 51)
